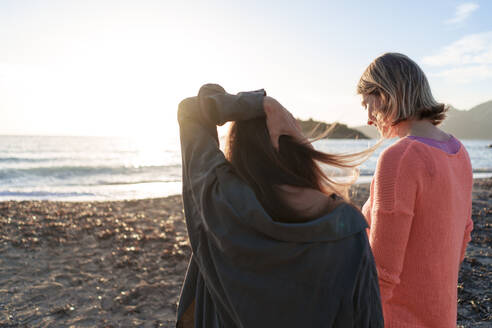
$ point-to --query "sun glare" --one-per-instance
(111, 77)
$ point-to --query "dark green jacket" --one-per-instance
(248, 270)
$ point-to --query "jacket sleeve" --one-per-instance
(202, 158)
(198, 118)
(211, 214)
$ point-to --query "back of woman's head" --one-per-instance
(403, 89)
(259, 164)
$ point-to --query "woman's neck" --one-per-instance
(421, 128)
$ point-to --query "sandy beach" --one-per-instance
(121, 263)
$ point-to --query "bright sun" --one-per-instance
(114, 76)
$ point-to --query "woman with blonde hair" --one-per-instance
(274, 245)
(419, 210)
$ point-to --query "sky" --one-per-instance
(121, 67)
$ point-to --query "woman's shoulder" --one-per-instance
(408, 151)
(398, 149)
(404, 155)
(397, 152)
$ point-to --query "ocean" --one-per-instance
(116, 168)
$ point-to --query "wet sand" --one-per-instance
(121, 263)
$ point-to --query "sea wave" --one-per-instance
(482, 170)
(81, 171)
(366, 172)
(42, 194)
(369, 172)
(17, 160)
(117, 183)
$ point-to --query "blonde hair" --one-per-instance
(403, 89)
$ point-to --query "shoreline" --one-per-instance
(105, 263)
(361, 181)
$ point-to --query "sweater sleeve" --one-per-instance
(396, 184)
(366, 209)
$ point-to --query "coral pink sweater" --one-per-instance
(419, 214)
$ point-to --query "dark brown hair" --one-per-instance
(259, 164)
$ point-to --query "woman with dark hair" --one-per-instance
(274, 244)
(419, 210)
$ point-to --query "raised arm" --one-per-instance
(198, 118)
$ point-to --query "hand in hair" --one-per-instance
(281, 122)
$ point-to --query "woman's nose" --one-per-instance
(370, 118)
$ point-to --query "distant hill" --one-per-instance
(340, 131)
(475, 123)
(368, 130)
